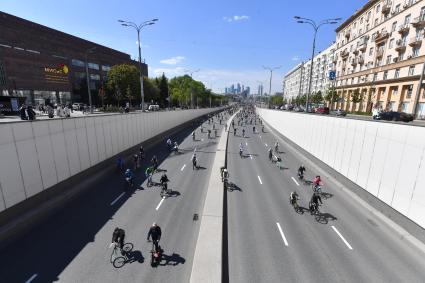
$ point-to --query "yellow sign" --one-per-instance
(57, 74)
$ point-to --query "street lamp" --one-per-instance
(191, 72)
(90, 50)
(316, 28)
(138, 28)
(271, 75)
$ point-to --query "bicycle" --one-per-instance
(316, 189)
(118, 256)
(294, 203)
(314, 208)
(164, 190)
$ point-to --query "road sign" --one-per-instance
(332, 75)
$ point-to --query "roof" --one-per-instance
(357, 13)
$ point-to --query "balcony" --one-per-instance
(356, 51)
(403, 29)
(400, 46)
(419, 22)
(353, 62)
(386, 8)
(344, 53)
(362, 47)
(381, 36)
(415, 41)
(360, 60)
(379, 53)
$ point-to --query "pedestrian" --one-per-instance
(31, 113)
(67, 112)
(23, 112)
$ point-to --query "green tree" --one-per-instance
(128, 94)
(163, 91)
(331, 97)
(317, 97)
(151, 90)
(356, 97)
(120, 79)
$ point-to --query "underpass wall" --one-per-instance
(37, 155)
(385, 159)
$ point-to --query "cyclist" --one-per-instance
(225, 175)
(193, 135)
(209, 133)
(136, 161)
(225, 127)
(129, 176)
(164, 179)
(176, 147)
(155, 233)
(276, 147)
(169, 144)
(234, 131)
(316, 182)
(142, 152)
(253, 129)
(240, 149)
(194, 161)
(314, 202)
(120, 162)
(293, 198)
(243, 132)
(270, 154)
(118, 237)
(154, 162)
(148, 173)
(301, 171)
(262, 129)
(233, 124)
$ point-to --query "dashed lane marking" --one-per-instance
(295, 181)
(115, 200)
(183, 167)
(281, 233)
(31, 278)
(259, 179)
(343, 239)
(159, 204)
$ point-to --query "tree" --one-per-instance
(317, 97)
(151, 90)
(162, 84)
(122, 80)
(276, 100)
(331, 97)
(129, 94)
(356, 97)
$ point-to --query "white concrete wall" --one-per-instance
(385, 159)
(37, 155)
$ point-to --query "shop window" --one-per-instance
(95, 77)
(77, 63)
(2, 74)
(80, 75)
(93, 66)
(106, 68)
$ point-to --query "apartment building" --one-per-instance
(379, 57)
(296, 81)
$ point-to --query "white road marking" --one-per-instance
(120, 196)
(31, 278)
(295, 181)
(259, 179)
(260, 137)
(281, 233)
(246, 143)
(343, 239)
(159, 203)
(250, 156)
(183, 167)
(265, 144)
(202, 139)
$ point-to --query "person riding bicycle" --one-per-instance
(209, 133)
(155, 233)
(164, 179)
(118, 237)
(301, 170)
(270, 153)
(253, 129)
(224, 175)
(234, 131)
(276, 146)
(193, 135)
(129, 176)
(243, 132)
(176, 147)
(148, 173)
(136, 161)
(317, 182)
(240, 149)
(293, 197)
(154, 162)
(315, 198)
(194, 161)
(169, 144)
(142, 152)
(120, 162)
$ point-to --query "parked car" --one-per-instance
(153, 107)
(78, 106)
(322, 110)
(298, 109)
(395, 116)
(340, 112)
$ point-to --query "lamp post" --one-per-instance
(138, 28)
(191, 72)
(90, 50)
(271, 76)
(316, 27)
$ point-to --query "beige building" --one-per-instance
(380, 57)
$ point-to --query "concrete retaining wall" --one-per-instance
(37, 155)
(385, 159)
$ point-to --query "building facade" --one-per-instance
(380, 57)
(41, 63)
(297, 80)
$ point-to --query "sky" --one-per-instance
(228, 41)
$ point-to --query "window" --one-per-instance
(400, 56)
(93, 66)
(95, 77)
(360, 32)
(371, 51)
(378, 8)
(407, 19)
(415, 52)
(376, 22)
(106, 68)
(409, 91)
(411, 71)
(373, 36)
(391, 44)
(385, 75)
(375, 77)
(394, 26)
(388, 59)
(78, 63)
(80, 75)
(361, 20)
(404, 106)
(395, 92)
(369, 15)
(2, 74)
(396, 73)
(397, 9)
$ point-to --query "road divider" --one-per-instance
(343, 239)
(282, 234)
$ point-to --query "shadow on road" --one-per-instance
(134, 256)
(173, 260)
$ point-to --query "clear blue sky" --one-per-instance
(228, 40)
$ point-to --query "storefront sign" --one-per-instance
(56, 74)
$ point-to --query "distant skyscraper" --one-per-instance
(243, 88)
(248, 90)
(238, 89)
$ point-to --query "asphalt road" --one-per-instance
(73, 245)
(269, 242)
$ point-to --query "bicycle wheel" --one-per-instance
(128, 247)
(119, 262)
